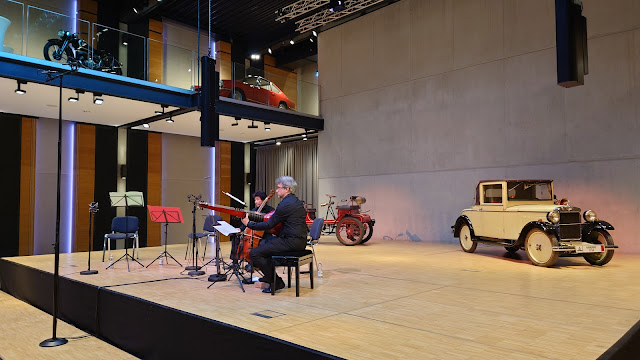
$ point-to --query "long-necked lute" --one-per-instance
(253, 215)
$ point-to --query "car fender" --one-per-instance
(587, 228)
(544, 226)
(463, 219)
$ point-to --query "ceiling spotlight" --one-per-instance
(336, 5)
(163, 107)
(96, 99)
(135, 10)
(269, 50)
(311, 39)
(304, 138)
(252, 126)
(267, 127)
(20, 91)
(278, 142)
(125, 43)
(77, 97)
(314, 33)
(255, 57)
(236, 123)
(170, 119)
(145, 125)
(291, 42)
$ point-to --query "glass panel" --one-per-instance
(119, 52)
(179, 67)
(44, 25)
(11, 23)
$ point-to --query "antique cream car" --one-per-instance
(522, 214)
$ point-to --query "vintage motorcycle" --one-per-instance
(70, 48)
(351, 226)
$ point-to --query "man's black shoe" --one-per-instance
(279, 285)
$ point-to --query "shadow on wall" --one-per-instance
(412, 237)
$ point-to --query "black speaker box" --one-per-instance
(571, 43)
(209, 119)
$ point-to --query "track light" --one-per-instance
(135, 10)
(77, 97)
(314, 33)
(311, 39)
(236, 123)
(145, 125)
(163, 107)
(96, 99)
(291, 42)
(252, 126)
(170, 119)
(269, 50)
(278, 142)
(267, 127)
(336, 5)
(20, 91)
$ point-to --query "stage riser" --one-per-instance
(144, 329)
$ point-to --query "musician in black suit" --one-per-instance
(293, 234)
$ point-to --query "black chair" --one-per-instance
(119, 230)
(207, 230)
(295, 259)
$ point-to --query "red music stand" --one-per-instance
(166, 215)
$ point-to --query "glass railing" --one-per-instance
(272, 87)
(11, 26)
(172, 65)
(43, 40)
(118, 52)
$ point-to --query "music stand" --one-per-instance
(126, 199)
(166, 215)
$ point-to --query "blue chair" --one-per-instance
(295, 259)
(122, 227)
(207, 230)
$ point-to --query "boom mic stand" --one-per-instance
(93, 208)
(194, 269)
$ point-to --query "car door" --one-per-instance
(490, 215)
(262, 91)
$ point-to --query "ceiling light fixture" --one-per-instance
(20, 91)
(96, 99)
(145, 125)
(311, 39)
(267, 127)
(314, 33)
(135, 10)
(77, 97)
(170, 119)
(278, 142)
(236, 123)
(269, 50)
(252, 126)
(163, 107)
(336, 5)
(291, 42)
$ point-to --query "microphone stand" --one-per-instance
(54, 340)
(93, 208)
(194, 269)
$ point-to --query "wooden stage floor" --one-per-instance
(396, 299)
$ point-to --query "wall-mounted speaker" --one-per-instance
(571, 43)
(251, 178)
(123, 171)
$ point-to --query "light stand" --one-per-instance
(54, 340)
(93, 208)
(194, 270)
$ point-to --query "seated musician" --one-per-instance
(293, 234)
(258, 198)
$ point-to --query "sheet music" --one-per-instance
(225, 228)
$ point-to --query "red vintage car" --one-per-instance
(256, 89)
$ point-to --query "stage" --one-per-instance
(385, 299)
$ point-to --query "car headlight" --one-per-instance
(553, 216)
(590, 216)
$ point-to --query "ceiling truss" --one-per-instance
(321, 17)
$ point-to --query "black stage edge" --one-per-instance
(142, 328)
(627, 348)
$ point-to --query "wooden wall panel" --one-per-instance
(156, 55)
(223, 174)
(27, 185)
(87, 11)
(286, 80)
(85, 169)
(154, 185)
(223, 59)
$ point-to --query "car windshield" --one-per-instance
(529, 190)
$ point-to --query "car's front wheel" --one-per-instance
(466, 241)
(283, 105)
(603, 237)
(539, 246)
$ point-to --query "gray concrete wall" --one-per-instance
(186, 169)
(424, 98)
